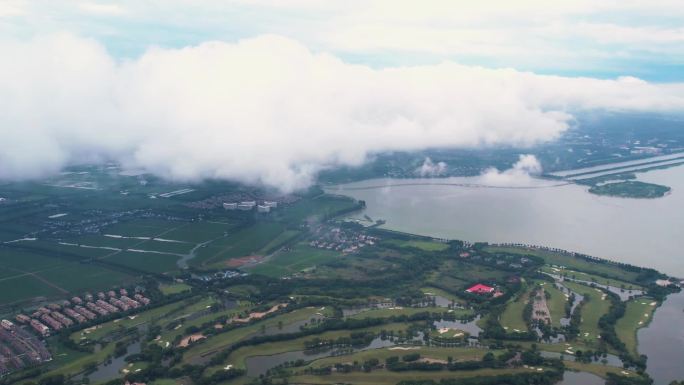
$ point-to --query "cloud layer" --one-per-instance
(519, 174)
(268, 110)
(431, 169)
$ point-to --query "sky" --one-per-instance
(271, 92)
(607, 38)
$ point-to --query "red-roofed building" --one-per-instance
(480, 289)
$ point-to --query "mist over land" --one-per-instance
(270, 111)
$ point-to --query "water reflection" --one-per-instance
(109, 371)
(581, 378)
(467, 326)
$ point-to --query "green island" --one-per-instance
(295, 294)
(630, 189)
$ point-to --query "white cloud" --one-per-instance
(12, 8)
(614, 36)
(268, 110)
(519, 174)
(612, 33)
(100, 8)
(431, 169)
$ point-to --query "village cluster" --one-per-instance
(20, 348)
(335, 238)
(227, 274)
(55, 316)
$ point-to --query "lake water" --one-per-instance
(645, 232)
(663, 341)
(534, 211)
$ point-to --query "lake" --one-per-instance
(535, 211)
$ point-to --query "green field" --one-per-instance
(238, 357)
(174, 288)
(637, 315)
(316, 209)
(149, 262)
(396, 311)
(144, 228)
(458, 354)
(592, 311)
(583, 276)
(578, 264)
(384, 377)
(300, 257)
(283, 238)
(24, 287)
(512, 318)
(90, 277)
(29, 274)
(246, 241)
(224, 339)
(423, 245)
(556, 304)
(159, 314)
(197, 232)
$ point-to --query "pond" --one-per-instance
(258, 365)
(581, 378)
(469, 327)
(112, 370)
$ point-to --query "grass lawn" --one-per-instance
(580, 275)
(77, 277)
(244, 242)
(592, 311)
(512, 318)
(458, 354)
(284, 237)
(158, 313)
(597, 369)
(174, 288)
(292, 261)
(384, 313)
(170, 335)
(556, 304)
(142, 228)
(237, 358)
(317, 208)
(197, 232)
(637, 315)
(385, 377)
(23, 288)
(224, 339)
(423, 245)
(152, 262)
(570, 262)
(72, 363)
(165, 381)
